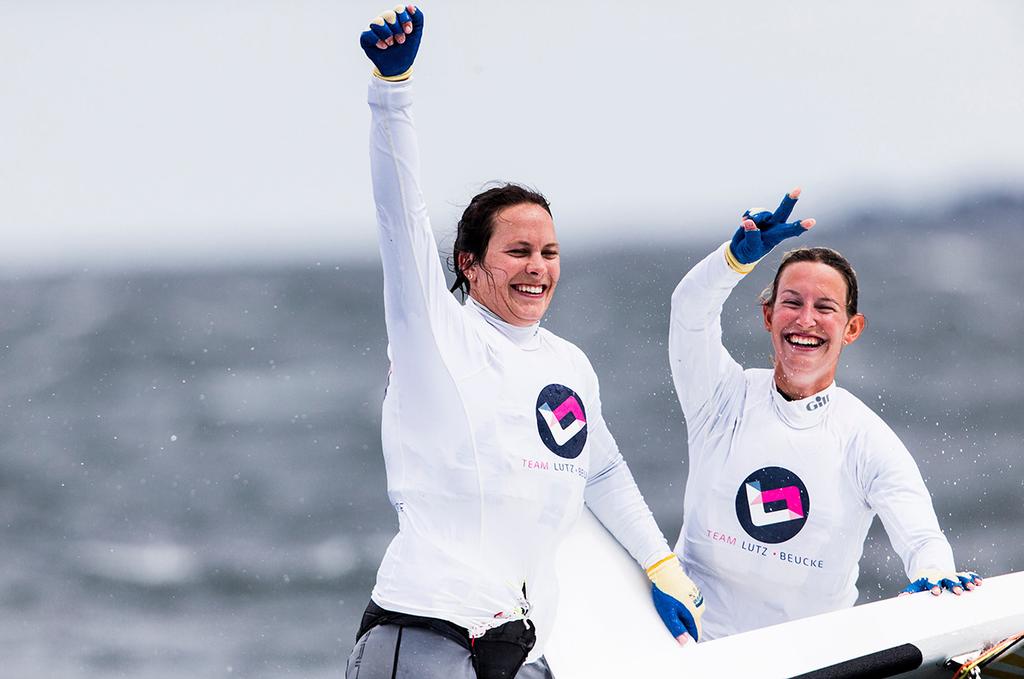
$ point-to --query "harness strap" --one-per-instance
(498, 654)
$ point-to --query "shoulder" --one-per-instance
(568, 351)
(473, 325)
(758, 376)
(856, 414)
(759, 381)
(563, 345)
(864, 426)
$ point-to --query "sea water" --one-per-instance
(191, 481)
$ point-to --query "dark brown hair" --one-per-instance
(826, 256)
(477, 225)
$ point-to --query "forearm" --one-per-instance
(698, 360)
(415, 294)
(698, 299)
(615, 499)
(914, 532)
(406, 240)
(898, 495)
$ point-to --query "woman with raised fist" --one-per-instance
(493, 437)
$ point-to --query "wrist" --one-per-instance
(736, 265)
(661, 564)
(392, 78)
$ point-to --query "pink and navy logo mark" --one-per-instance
(772, 505)
(561, 421)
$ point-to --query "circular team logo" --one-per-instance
(772, 505)
(561, 421)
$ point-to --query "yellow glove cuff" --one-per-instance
(735, 264)
(661, 562)
(668, 575)
(392, 78)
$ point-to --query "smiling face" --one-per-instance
(809, 326)
(520, 270)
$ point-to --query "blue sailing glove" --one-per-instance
(677, 600)
(936, 581)
(763, 230)
(392, 41)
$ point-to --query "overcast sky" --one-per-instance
(158, 133)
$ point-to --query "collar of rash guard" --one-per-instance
(524, 337)
(806, 412)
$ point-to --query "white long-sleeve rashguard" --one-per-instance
(492, 434)
(780, 494)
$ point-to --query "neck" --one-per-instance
(797, 387)
(494, 315)
(526, 337)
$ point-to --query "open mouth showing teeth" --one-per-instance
(529, 289)
(804, 340)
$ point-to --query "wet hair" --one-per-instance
(826, 256)
(477, 225)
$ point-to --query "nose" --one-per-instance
(535, 264)
(808, 317)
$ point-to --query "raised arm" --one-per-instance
(419, 310)
(702, 369)
(700, 363)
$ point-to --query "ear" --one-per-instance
(465, 262)
(766, 312)
(854, 327)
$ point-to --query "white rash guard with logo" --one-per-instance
(770, 545)
(482, 500)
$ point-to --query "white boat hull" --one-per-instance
(607, 626)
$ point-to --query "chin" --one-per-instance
(532, 315)
(799, 371)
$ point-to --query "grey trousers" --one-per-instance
(394, 652)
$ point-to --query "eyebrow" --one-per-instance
(523, 243)
(819, 299)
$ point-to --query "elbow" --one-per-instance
(680, 293)
(614, 466)
(683, 317)
(678, 304)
